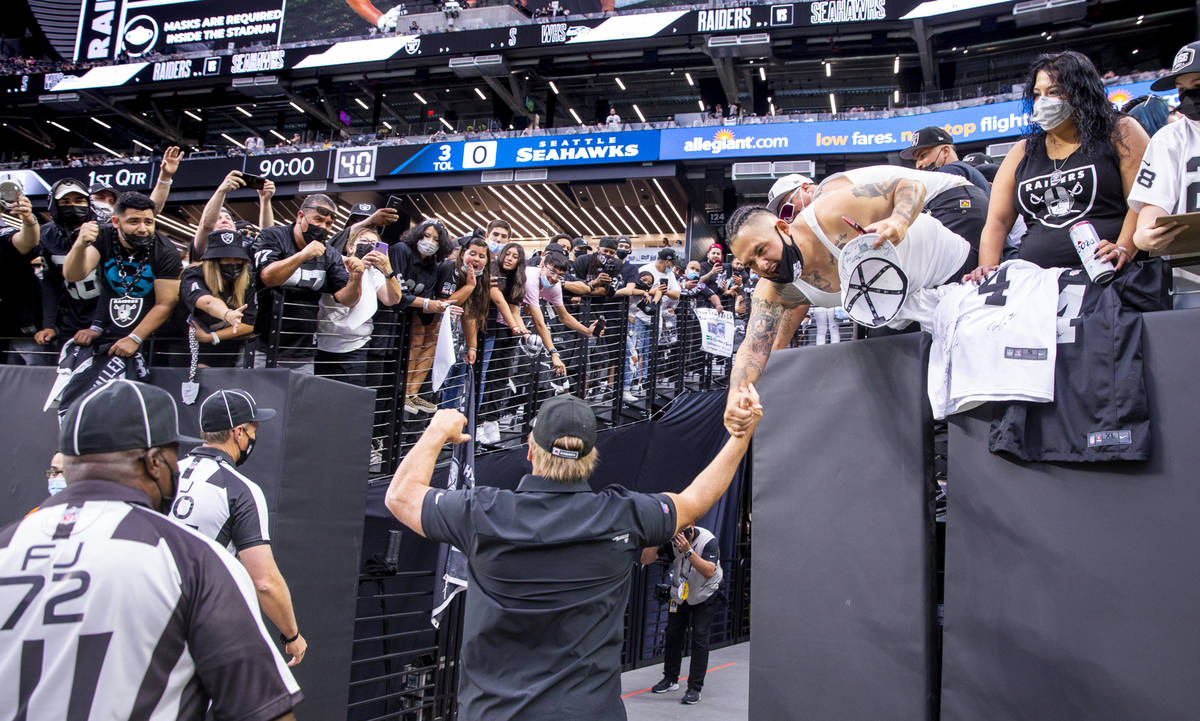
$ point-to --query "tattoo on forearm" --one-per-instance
(765, 316)
(875, 190)
(908, 200)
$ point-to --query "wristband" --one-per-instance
(216, 338)
(425, 305)
(96, 328)
(286, 640)
(165, 182)
(391, 275)
(134, 337)
(553, 352)
(687, 553)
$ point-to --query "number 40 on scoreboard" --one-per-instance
(354, 165)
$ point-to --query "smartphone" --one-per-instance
(361, 250)
(395, 203)
(600, 324)
(257, 182)
(381, 247)
(663, 282)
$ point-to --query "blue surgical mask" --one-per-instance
(753, 277)
(546, 283)
(693, 275)
(55, 484)
(495, 247)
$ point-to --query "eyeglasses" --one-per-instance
(553, 274)
(788, 210)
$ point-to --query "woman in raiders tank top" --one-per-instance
(1077, 163)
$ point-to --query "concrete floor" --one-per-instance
(725, 696)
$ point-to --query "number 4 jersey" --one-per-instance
(1169, 175)
(994, 341)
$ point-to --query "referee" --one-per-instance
(111, 610)
(229, 508)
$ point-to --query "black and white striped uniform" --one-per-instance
(222, 504)
(108, 610)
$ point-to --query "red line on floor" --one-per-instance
(715, 668)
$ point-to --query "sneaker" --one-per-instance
(376, 453)
(488, 433)
(665, 686)
(410, 406)
(509, 421)
(422, 405)
(628, 396)
(690, 697)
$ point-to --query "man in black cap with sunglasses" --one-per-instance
(215, 499)
(548, 563)
(119, 609)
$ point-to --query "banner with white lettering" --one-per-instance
(716, 331)
(135, 28)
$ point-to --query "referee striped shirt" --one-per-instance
(216, 500)
(108, 610)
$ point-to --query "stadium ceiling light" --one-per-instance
(671, 205)
(243, 111)
(233, 140)
(762, 73)
(140, 144)
(772, 107)
(1049, 37)
(620, 84)
(297, 107)
(480, 94)
(828, 69)
(1135, 51)
(447, 124)
(193, 116)
(689, 78)
(63, 128)
(279, 135)
(832, 104)
(1140, 19)
(576, 116)
(896, 66)
(701, 104)
(554, 87)
(964, 51)
(387, 125)
(642, 118)
(101, 123)
(361, 104)
(418, 97)
(895, 96)
(108, 150)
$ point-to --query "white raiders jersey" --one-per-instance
(995, 341)
(220, 503)
(1169, 175)
(109, 611)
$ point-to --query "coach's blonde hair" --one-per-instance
(563, 470)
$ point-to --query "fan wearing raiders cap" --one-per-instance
(217, 215)
(1169, 176)
(216, 500)
(119, 612)
(219, 295)
(798, 261)
(548, 563)
(933, 150)
(364, 215)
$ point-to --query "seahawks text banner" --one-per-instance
(134, 28)
(592, 148)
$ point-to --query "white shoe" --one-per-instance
(488, 433)
(628, 396)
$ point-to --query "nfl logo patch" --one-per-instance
(665, 508)
(964, 204)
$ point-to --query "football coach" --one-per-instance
(549, 563)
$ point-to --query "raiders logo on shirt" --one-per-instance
(124, 311)
(1059, 199)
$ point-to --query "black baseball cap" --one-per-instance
(362, 209)
(1187, 60)
(667, 254)
(978, 159)
(100, 187)
(119, 416)
(927, 138)
(610, 243)
(229, 409)
(563, 416)
(225, 244)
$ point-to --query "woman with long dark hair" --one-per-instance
(1077, 163)
(504, 330)
(466, 281)
(415, 258)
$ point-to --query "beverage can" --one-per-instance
(1086, 241)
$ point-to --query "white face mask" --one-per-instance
(1051, 112)
(426, 246)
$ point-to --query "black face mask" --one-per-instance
(1189, 103)
(791, 264)
(165, 503)
(622, 254)
(230, 273)
(315, 234)
(245, 455)
(73, 215)
(139, 243)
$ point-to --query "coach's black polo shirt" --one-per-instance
(549, 578)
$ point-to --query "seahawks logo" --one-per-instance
(1183, 59)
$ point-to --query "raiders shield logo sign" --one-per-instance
(1061, 198)
(124, 311)
(1183, 59)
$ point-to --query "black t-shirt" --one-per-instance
(447, 279)
(1086, 187)
(968, 171)
(66, 307)
(127, 281)
(324, 274)
(418, 276)
(192, 287)
(20, 299)
(590, 266)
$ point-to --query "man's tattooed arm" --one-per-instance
(875, 190)
(908, 197)
(765, 317)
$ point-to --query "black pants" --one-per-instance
(964, 211)
(345, 367)
(700, 616)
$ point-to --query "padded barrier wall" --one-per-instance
(1071, 590)
(311, 462)
(842, 585)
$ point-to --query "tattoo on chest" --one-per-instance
(817, 280)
